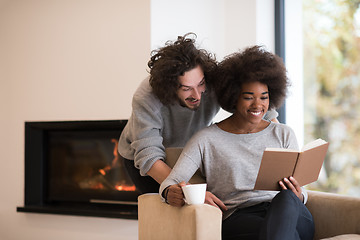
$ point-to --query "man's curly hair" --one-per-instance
(173, 60)
(252, 65)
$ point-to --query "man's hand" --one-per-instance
(293, 185)
(212, 200)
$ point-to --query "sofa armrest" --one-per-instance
(334, 214)
(158, 220)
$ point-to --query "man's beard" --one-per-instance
(183, 104)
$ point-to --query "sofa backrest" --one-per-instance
(172, 155)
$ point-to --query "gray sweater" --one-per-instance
(153, 126)
(230, 162)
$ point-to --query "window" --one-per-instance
(323, 60)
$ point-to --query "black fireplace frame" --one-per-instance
(35, 173)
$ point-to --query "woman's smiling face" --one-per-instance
(253, 101)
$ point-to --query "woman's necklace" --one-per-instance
(236, 129)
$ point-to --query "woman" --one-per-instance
(229, 154)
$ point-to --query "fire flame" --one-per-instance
(125, 188)
(115, 163)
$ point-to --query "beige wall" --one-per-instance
(82, 60)
(65, 60)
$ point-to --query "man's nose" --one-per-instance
(196, 93)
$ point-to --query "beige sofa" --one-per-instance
(335, 216)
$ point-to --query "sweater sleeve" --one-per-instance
(141, 140)
(188, 163)
(271, 114)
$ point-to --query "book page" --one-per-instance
(280, 150)
(313, 144)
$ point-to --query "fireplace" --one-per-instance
(73, 167)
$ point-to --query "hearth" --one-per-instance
(73, 167)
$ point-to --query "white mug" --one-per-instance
(194, 193)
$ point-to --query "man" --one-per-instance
(168, 108)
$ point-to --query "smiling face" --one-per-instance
(192, 85)
(253, 102)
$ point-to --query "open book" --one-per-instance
(278, 163)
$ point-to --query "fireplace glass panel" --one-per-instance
(85, 166)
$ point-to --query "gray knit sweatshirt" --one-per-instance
(230, 162)
(153, 126)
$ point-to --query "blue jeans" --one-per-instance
(286, 217)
